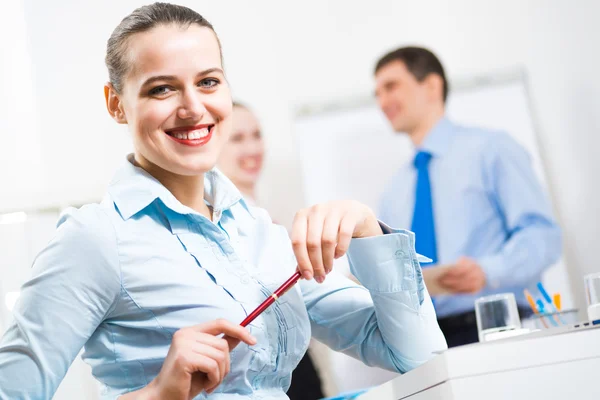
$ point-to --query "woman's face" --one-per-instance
(175, 99)
(242, 157)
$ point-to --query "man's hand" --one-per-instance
(465, 276)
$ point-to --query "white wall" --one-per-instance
(20, 147)
(282, 54)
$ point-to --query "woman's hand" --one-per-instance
(197, 360)
(322, 232)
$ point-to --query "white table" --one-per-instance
(558, 364)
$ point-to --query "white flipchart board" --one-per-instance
(350, 151)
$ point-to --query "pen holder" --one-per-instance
(551, 319)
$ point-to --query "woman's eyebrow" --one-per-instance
(170, 78)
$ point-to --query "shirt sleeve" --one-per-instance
(389, 322)
(75, 283)
(534, 238)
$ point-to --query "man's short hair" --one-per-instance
(419, 61)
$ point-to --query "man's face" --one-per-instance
(403, 99)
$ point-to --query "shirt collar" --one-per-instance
(133, 189)
(438, 139)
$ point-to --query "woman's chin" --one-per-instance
(192, 168)
(249, 179)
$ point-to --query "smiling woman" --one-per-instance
(175, 101)
(155, 279)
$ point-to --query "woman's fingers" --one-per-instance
(346, 229)
(221, 357)
(329, 240)
(298, 236)
(316, 219)
(210, 367)
(231, 330)
(199, 359)
(323, 232)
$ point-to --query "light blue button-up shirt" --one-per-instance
(487, 205)
(120, 277)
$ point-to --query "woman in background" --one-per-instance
(241, 161)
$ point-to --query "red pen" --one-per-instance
(271, 299)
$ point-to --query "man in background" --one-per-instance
(469, 194)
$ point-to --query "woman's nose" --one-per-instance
(192, 106)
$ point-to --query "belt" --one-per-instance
(468, 319)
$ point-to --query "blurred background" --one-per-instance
(287, 60)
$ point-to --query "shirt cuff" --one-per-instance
(386, 229)
(388, 263)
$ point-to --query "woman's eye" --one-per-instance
(208, 83)
(159, 90)
(236, 138)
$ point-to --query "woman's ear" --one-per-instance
(114, 105)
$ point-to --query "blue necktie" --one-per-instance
(422, 223)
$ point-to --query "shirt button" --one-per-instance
(245, 280)
(400, 254)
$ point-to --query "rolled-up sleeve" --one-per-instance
(388, 322)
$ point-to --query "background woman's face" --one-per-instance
(242, 157)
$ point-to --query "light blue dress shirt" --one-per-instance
(120, 277)
(487, 205)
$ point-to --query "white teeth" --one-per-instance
(197, 134)
(201, 132)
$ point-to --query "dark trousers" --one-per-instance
(306, 384)
(461, 328)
